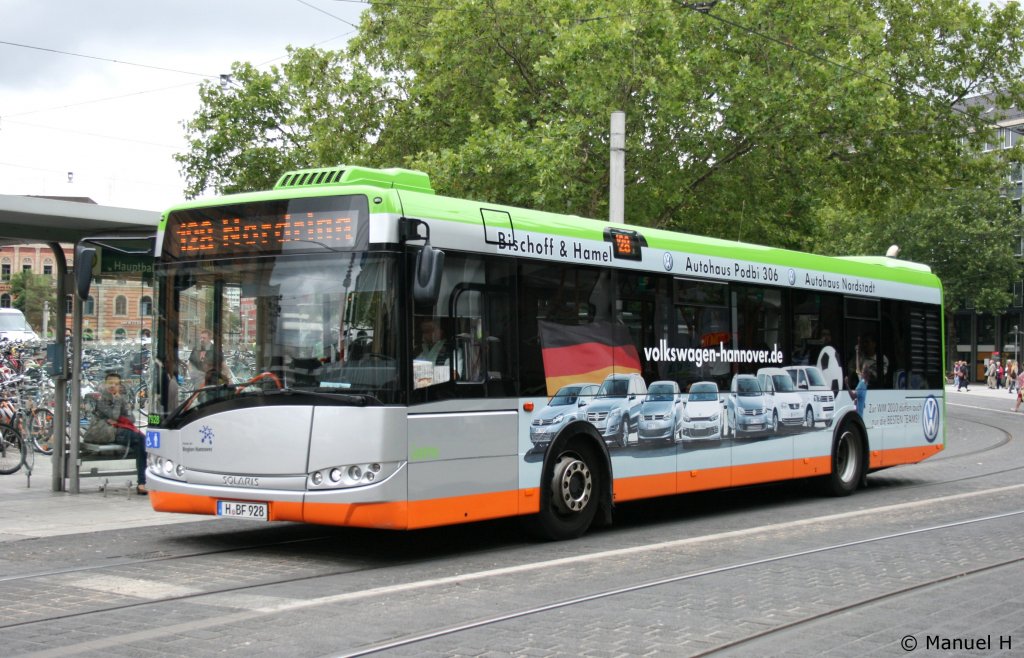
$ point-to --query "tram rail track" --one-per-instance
(111, 565)
(528, 567)
(550, 606)
(580, 600)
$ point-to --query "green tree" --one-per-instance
(783, 122)
(31, 292)
(967, 237)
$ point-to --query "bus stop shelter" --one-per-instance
(57, 222)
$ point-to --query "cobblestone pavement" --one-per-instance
(235, 588)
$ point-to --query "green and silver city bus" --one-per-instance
(390, 358)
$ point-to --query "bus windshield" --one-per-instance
(320, 323)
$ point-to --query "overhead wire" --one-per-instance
(702, 8)
(103, 59)
(6, 118)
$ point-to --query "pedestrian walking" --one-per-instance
(963, 377)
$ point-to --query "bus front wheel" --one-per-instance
(572, 497)
(847, 462)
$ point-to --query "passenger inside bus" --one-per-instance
(866, 356)
(360, 347)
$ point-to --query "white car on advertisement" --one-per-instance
(819, 401)
(783, 400)
(703, 413)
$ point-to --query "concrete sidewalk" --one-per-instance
(980, 389)
(29, 509)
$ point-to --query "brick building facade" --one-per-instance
(116, 310)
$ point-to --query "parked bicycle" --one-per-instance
(13, 451)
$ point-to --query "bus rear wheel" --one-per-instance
(573, 488)
(847, 462)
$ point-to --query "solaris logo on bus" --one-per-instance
(930, 418)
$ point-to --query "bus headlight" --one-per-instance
(352, 475)
(165, 467)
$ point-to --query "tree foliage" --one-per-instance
(31, 293)
(825, 127)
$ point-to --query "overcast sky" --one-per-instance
(116, 126)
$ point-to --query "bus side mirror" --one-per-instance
(426, 282)
(84, 259)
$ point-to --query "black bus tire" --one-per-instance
(570, 493)
(848, 461)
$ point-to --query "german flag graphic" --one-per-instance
(585, 353)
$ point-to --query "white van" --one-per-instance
(14, 327)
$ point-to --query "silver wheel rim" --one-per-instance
(846, 457)
(572, 485)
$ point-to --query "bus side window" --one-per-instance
(495, 358)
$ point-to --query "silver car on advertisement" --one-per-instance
(568, 404)
(746, 406)
(615, 412)
(661, 413)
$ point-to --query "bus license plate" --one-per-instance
(239, 510)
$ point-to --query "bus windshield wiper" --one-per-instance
(194, 395)
(354, 399)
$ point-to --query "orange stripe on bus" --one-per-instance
(529, 501)
(811, 466)
(644, 486)
(402, 515)
(912, 455)
(462, 509)
(167, 501)
(766, 472)
(703, 479)
(387, 516)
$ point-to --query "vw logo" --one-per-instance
(667, 261)
(792, 276)
(930, 418)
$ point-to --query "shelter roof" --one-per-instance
(37, 219)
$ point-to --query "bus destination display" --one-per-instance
(228, 235)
